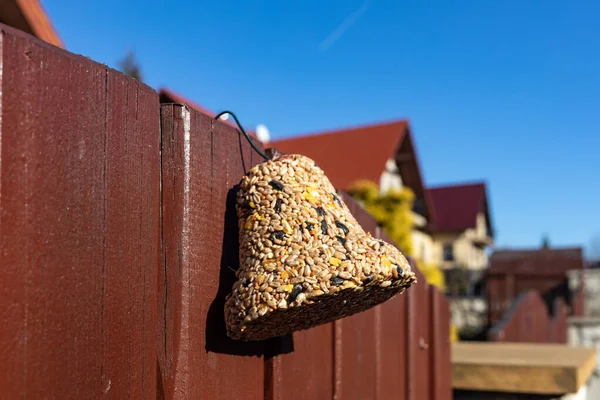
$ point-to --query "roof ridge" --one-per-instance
(347, 129)
(520, 249)
(458, 185)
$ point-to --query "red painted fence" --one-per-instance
(117, 234)
(529, 320)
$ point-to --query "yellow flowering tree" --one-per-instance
(393, 212)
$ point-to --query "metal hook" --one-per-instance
(263, 155)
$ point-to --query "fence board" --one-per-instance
(79, 226)
(356, 338)
(307, 373)
(391, 342)
(200, 171)
(440, 347)
(419, 312)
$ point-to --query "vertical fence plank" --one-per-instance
(391, 345)
(440, 376)
(307, 373)
(356, 337)
(418, 346)
(203, 161)
(423, 341)
(132, 245)
(78, 226)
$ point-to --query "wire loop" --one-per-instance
(263, 155)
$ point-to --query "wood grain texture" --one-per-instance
(357, 338)
(79, 219)
(307, 372)
(440, 351)
(521, 368)
(203, 161)
(392, 365)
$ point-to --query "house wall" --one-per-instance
(585, 331)
(466, 253)
(390, 177)
(589, 280)
(423, 246)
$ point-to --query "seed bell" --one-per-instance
(304, 259)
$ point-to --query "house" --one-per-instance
(29, 16)
(512, 272)
(462, 230)
(383, 153)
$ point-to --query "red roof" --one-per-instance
(348, 155)
(456, 207)
(29, 16)
(544, 261)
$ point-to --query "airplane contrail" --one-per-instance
(344, 26)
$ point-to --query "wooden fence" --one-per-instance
(117, 235)
(530, 320)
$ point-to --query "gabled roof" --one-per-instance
(347, 155)
(29, 16)
(168, 96)
(536, 261)
(350, 154)
(456, 207)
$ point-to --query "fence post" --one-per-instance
(202, 162)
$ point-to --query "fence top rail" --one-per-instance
(524, 367)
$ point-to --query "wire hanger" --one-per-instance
(263, 155)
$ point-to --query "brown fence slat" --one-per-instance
(307, 373)
(132, 245)
(440, 375)
(202, 164)
(391, 345)
(355, 354)
(418, 341)
(79, 170)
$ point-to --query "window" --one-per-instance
(448, 252)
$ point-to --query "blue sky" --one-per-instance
(504, 91)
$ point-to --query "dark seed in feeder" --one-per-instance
(246, 282)
(320, 211)
(343, 227)
(381, 243)
(400, 272)
(309, 227)
(276, 185)
(324, 227)
(336, 280)
(278, 205)
(336, 199)
(279, 235)
(368, 280)
(295, 292)
(341, 240)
